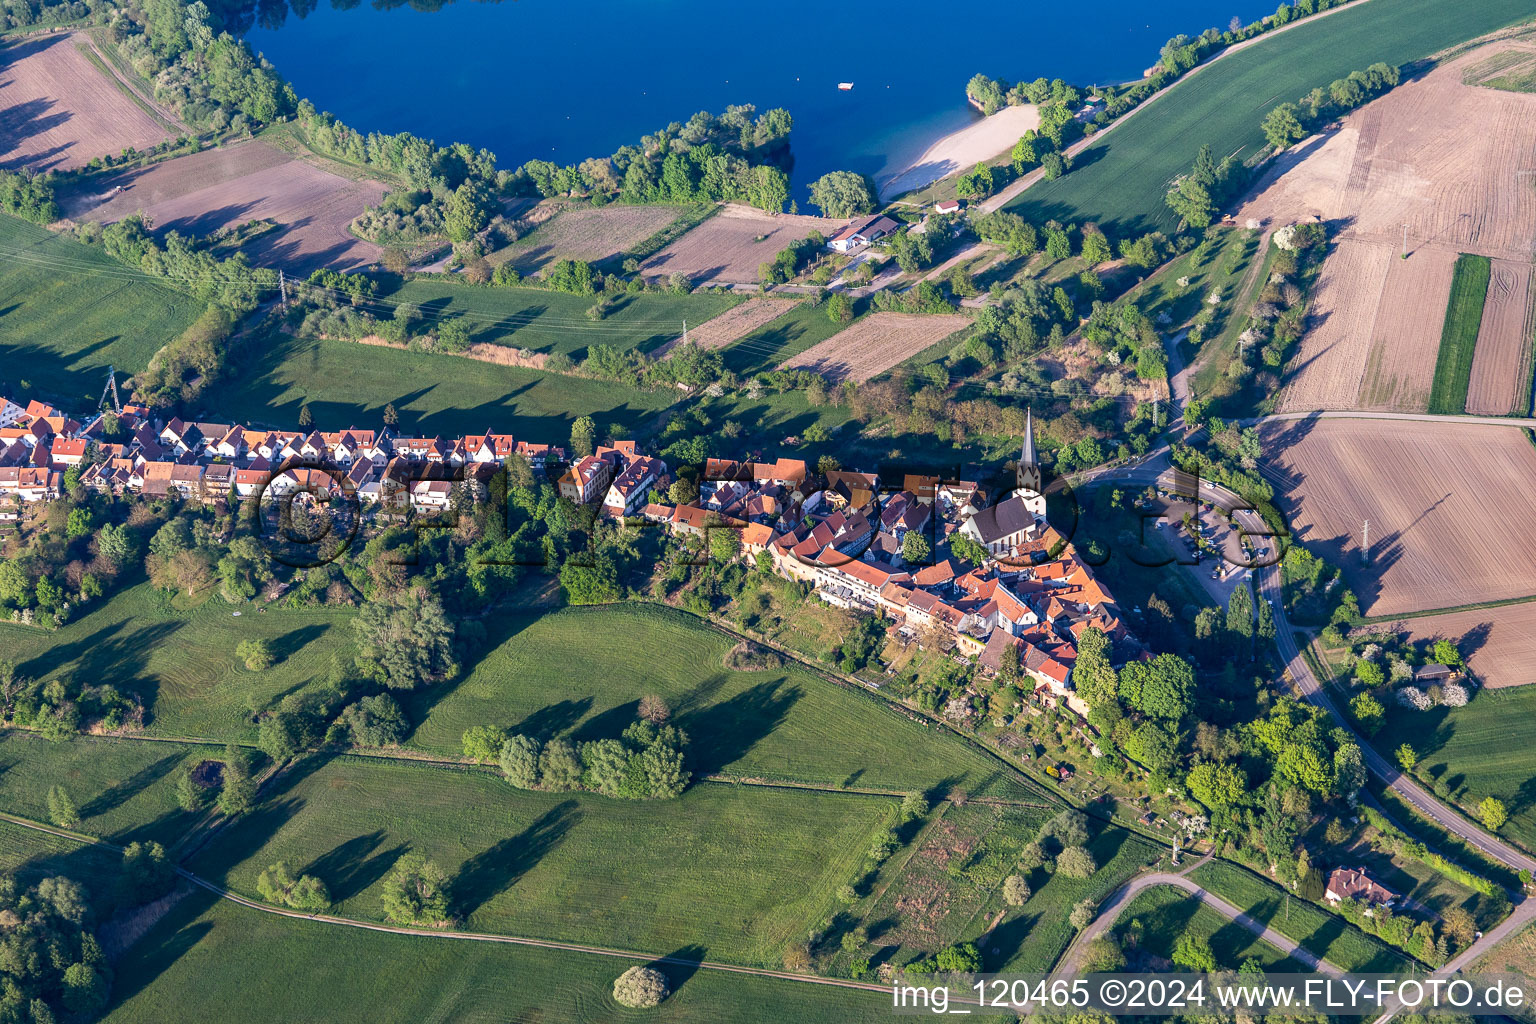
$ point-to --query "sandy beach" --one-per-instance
(960, 150)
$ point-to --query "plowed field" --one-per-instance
(875, 344)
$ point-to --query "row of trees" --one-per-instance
(1289, 123)
(646, 762)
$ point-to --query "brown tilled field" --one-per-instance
(1454, 163)
(875, 344)
(736, 322)
(58, 110)
(1330, 362)
(1405, 340)
(729, 246)
(586, 233)
(203, 192)
(1499, 644)
(1501, 364)
(1452, 507)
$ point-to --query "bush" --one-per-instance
(1015, 890)
(640, 987)
(257, 654)
(1076, 862)
(482, 743)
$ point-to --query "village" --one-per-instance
(1022, 594)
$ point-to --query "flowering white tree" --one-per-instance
(1454, 695)
(1413, 697)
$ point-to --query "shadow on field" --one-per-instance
(726, 732)
(121, 793)
(680, 964)
(356, 864)
(289, 644)
(168, 941)
(486, 875)
(555, 719)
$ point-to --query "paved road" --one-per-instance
(1413, 417)
(1110, 909)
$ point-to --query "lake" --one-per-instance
(535, 79)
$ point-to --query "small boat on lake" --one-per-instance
(845, 86)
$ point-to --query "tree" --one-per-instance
(1447, 654)
(724, 544)
(256, 653)
(1460, 926)
(1240, 612)
(797, 957)
(1102, 956)
(277, 885)
(1076, 862)
(1368, 713)
(306, 418)
(239, 789)
(1015, 890)
(375, 721)
(653, 709)
(914, 548)
(663, 768)
(1053, 165)
(406, 639)
(391, 417)
(85, 991)
(560, 766)
(1282, 127)
(1161, 688)
(1096, 248)
(1406, 757)
(1082, 914)
(147, 874)
(961, 958)
(640, 987)
(482, 743)
(1348, 770)
(466, 211)
(967, 550)
(1194, 951)
(843, 194)
(583, 436)
(1095, 678)
(839, 308)
(1492, 814)
(416, 891)
(189, 795)
(61, 809)
(975, 183)
(520, 761)
(1217, 785)
(913, 806)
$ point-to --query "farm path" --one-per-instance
(434, 933)
(1178, 380)
(1109, 911)
(146, 98)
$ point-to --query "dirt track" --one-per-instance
(58, 111)
(216, 188)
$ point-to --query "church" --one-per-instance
(1002, 527)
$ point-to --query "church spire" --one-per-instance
(1029, 464)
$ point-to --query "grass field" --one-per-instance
(182, 661)
(1314, 929)
(124, 790)
(68, 311)
(1458, 337)
(346, 384)
(1120, 180)
(550, 321)
(804, 325)
(582, 672)
(1468, 754)
(738, 871)
(1165, 912)
(32, 856)
(243, 966)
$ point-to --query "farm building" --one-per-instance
(947, 206)
(1355, 884)
(861, 233)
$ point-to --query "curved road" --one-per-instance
(1110, 908)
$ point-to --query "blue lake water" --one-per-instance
(564, 81)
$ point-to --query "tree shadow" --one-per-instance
(493, 871)
(680, 964)
(353, 866)
(553, 719)
(724, 733)
(139, 781)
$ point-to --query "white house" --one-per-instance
(861, 233)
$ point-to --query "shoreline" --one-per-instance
(960, 150)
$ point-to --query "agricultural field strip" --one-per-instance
(242, 901)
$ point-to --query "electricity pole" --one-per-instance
(282, 287)
(1405, 241)
(1365, 544)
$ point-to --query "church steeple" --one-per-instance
(1029, 464)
